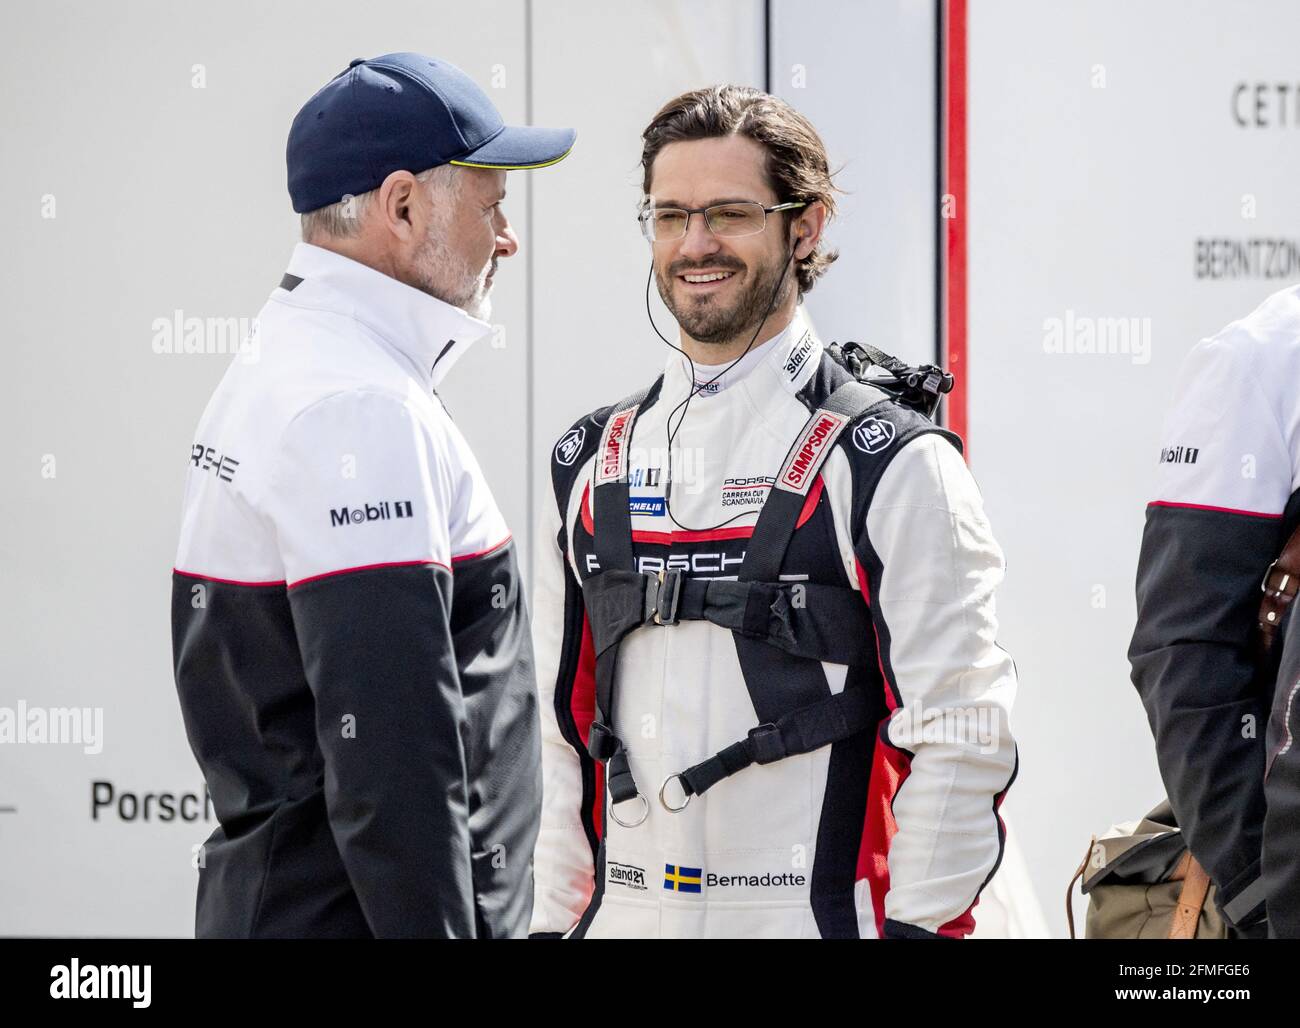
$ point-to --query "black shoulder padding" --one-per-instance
(580, 442)
(571, 453)
(878, 433)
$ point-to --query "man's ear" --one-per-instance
(808, 228)
(397, 195)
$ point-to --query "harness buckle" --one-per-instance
(663, 591)
(766, 745)
(1280, 591)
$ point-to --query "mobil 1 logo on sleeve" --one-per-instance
(384, 510)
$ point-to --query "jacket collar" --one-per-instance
(785, 360)
(431, 334)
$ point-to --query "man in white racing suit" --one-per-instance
(772, 701)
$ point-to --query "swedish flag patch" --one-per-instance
(682, 879)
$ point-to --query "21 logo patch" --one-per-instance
(873, 435)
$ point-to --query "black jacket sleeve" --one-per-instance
(1192, 662)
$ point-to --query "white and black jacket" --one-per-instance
(350, 637)
(1226, 497)
(890, 831)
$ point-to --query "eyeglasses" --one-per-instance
(726, 220)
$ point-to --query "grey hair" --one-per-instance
(342, 220)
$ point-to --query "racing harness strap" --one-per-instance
(610, 621)
(783, 630)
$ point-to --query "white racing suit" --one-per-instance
(889, 831)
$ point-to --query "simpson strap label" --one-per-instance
(810, 450)
(611, 466)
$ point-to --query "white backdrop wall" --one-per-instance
(1106, 141)
(870, 90)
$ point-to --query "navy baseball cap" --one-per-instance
(403, 112)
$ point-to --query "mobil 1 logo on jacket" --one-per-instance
(383, 510)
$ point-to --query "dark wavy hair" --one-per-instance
(797, 166)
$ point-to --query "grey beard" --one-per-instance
(464, 290)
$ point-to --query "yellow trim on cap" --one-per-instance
(513, 167)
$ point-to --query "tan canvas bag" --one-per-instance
(1143, 883)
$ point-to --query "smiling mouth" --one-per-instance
(705, 278)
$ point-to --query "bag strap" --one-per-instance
(1191, 897)
(1069, 889)
(1280, 585)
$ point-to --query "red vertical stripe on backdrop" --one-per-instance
(955, 280)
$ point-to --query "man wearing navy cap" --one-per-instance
(368, 731)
